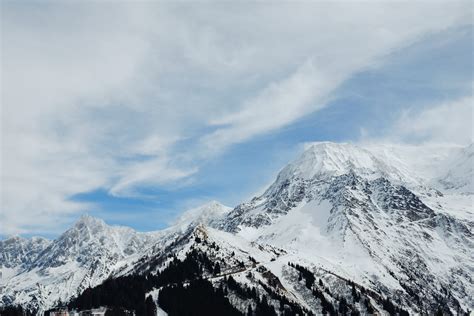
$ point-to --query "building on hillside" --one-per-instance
(59, 312)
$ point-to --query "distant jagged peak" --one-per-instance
(89, 221)
(95, 224)
(18, 239)
(204, 214)
(15, 238)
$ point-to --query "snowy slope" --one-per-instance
(457, 172)
(345, 209)
(397, 220)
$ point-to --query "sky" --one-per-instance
(137, 111)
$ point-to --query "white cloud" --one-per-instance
(152, 172)
(100, 95)
(340, 40)
(451, 122)
(276, 105)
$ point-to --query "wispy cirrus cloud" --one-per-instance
(276, 105)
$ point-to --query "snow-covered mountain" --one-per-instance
(364, 213)
(81, 257)
(207, 214)
(372, 221)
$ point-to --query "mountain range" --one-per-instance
(344, 228)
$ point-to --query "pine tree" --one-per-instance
(150, 307)
(343, 309)
(249, 310)
(355, 295)
(217, 268)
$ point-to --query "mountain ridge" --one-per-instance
(338, 208)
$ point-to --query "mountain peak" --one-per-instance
(204, 214)
(89, 221)
(13, 238)
(413, 166)
(328, 159)
(20, 239)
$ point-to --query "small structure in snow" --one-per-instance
(60, 312)
(94, 312)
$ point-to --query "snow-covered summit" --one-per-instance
(328, 159)
(87, 220)
(205, 214)
(91, 238)
(412, 166)
(325, 160)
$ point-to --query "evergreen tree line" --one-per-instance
(442, 300)
(305, 274)
(128, 292)
(393, 309)
(123, 293)
(15, 311)
(287, 307)
(344, 307)
(262, 307)
(309, 279)
(327, 307)
(250, 293)
(199, 297)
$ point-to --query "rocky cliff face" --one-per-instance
(20, 253)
